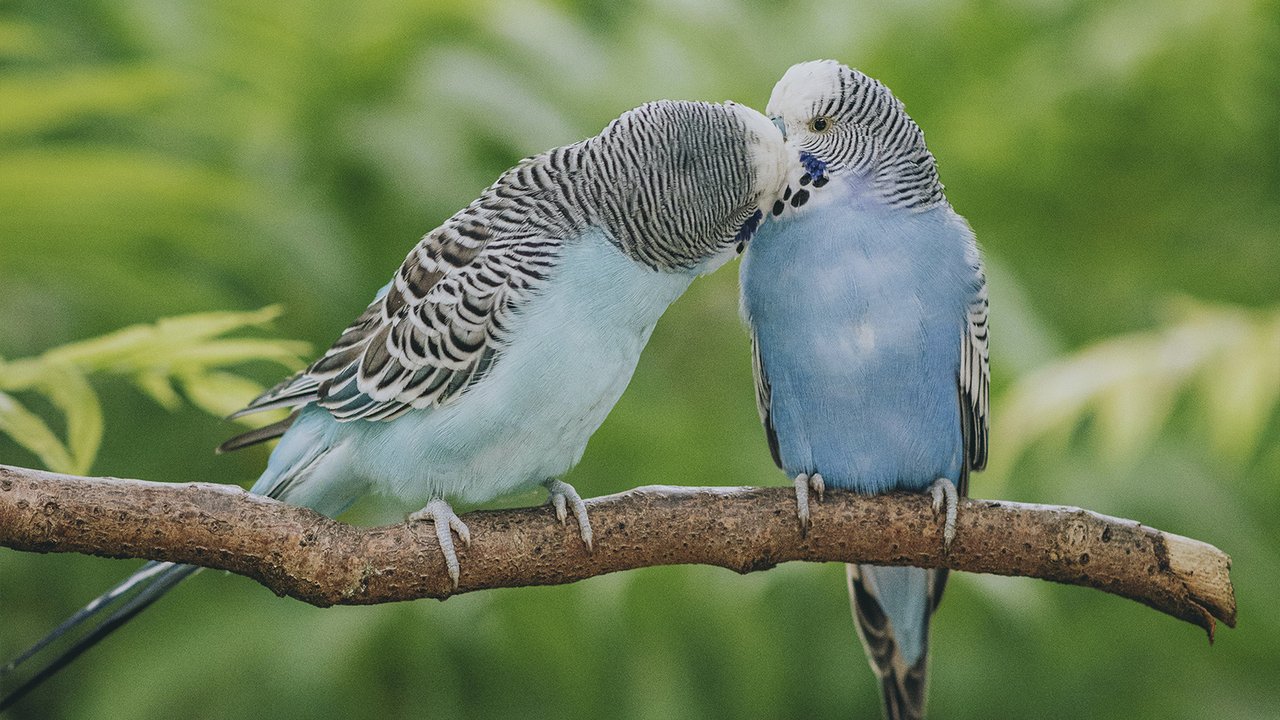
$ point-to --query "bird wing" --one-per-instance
(975, 380)
(974, 390)
(442, 322)
(763, 399)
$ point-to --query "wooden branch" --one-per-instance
(296, 552)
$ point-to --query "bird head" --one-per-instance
(682, 186)
(766, 150)
(840, 123)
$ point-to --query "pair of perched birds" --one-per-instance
(511, 330)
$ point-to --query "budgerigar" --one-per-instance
(508, 333)
(867, 306)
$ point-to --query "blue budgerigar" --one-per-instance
(508, 333)
(867, 306)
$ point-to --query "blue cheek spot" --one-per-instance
(816, 169)
(749, 227)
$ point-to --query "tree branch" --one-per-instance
(299, 553)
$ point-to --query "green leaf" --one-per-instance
(210, 324)
(237, 350)
(183, 348)
(29, 431)
(1225, 358)
(70, 391)
(138, 345)
(1131, 414)
(158, 387)
(1240, 392)
(219, 393)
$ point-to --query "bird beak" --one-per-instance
(781, 125)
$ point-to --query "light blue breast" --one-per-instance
(572, 353)
(859, 310)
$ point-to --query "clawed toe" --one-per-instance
(818, 486)
(562, 496)
(446, 522)
(804, 484)
(946, 499)
(558, 501)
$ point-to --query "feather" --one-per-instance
(763, 394)
(867, 304)
(259, 435)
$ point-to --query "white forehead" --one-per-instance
(802, 86)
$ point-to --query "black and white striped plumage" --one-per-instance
(670, 183)
(507, 335)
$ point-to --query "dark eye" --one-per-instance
(820, 123)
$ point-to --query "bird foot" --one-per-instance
(946, 498)
(562, 494)
(441, 514)
(804, 484)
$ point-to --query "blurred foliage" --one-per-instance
(1223, 361)
(160, 158)
(189, 350)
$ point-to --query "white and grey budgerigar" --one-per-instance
(867, 306)
(509, 332)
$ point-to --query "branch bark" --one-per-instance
(299, 553)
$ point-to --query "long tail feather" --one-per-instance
(127, 599)
(292, 462)
(259, 435)
(891, 610)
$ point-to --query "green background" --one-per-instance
(160, 158)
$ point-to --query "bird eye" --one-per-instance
(820, 123)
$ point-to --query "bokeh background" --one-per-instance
(1118, 159)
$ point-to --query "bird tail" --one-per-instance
(123, 602)
(892, 607)
(291, 464)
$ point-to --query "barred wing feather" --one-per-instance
(444, 319)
